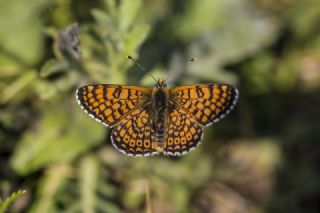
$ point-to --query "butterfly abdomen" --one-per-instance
(160, 101)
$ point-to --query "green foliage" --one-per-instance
(119, 37)
(21, 37)
(7, 202)
(261, 158)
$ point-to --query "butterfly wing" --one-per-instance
(207, 103)
(183, 133)
(109, 103)
(133, 135)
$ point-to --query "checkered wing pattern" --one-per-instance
(183, 133)
(207, 103)
(134, 136)
(109, 103)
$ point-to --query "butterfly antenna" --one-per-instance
(182, 67)
(141, 67)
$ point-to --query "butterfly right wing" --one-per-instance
(109, 103)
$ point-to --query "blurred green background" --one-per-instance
(263, 157)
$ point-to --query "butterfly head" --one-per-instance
(161, 83)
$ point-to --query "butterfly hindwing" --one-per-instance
(207, 103)
(133, 135)
(183, 133)
(109, 103)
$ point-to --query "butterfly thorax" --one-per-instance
(159, 113)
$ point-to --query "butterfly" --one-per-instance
(159, 120)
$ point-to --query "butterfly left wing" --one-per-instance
(133, 135)
(109, 103)
(207, 103)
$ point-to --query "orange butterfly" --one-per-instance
(151, 121)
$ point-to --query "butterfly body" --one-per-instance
(159, 115)
(158, 120)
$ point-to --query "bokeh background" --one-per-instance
(263, 157)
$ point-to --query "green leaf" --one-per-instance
(51, 67)
(14, 196)
(53, 180)
(21, 35)
(127, 13)
(88, 175)
(136, 37)
(59, 136)
(101, 17)
(18, 86)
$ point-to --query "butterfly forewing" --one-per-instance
(207, 103)
(110, 103)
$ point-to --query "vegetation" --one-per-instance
(263, 157)
(14, 196)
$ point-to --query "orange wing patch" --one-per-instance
(207, 103)
(109, 103)
(134, 136)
